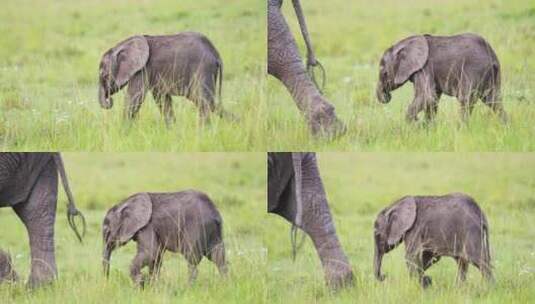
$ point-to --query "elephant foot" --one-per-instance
(426, 282)
(339, 278)
(34, 282)
(323, 121)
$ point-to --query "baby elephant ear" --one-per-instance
(135, 214)
(401, 217)
(411, 55)
(130, 56)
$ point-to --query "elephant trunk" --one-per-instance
(104, 98)
(377, 261)
(337, 269)
(317, 222)
(383, 95)
(106, 256)
(286, 64)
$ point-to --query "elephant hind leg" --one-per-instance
(497, 106)
(217, 255)
(38, 214)
(135, 95)
(165, 104)
(462, 269)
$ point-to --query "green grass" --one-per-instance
(49, 58)
(350, 37)
(235, 181)
(358, 186)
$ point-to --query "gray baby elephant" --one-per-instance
(185, 222)
(434, 226)
(7, 273)
(464, 66)
(185, 64)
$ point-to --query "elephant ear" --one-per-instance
(129, 57)
(411, 55)
(135, 214)
(401, 217)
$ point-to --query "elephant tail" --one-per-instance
(220, 83)
(219, 107)
(72, 211)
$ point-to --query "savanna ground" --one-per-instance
(236, 182)
(261, 267)
(49, 59)
(349, 38)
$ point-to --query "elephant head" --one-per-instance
(390, 227)
(399, 63)
(295, 192)
(122, 222)
(118, 65)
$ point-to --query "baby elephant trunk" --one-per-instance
(383, 95)
(378, 259)
(104, 98)
(106, 256)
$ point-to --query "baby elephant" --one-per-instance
(464, 66)
(7, 273)
(432, 227)
(185, 222)
(185, 64)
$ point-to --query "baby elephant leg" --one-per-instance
(462, 268)
(217, 255)
(141, 260)
(165, 104)
(148, 254)
(193, 258)
(416, 263)
(156, 264)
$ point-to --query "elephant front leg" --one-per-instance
(135, 96)
(140, 260)
(38, 214)
(414, 109)
(285, 63)
(416, 262)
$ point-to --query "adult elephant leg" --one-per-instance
(38, 214)
(319, 225)
(285, 64)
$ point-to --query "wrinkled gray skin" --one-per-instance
(295, 192)
(464, 66)
(186, 222)
(432, 227)
(285, 63)
(29, 184)
(186, 64)
(7, 273)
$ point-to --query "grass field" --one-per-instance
(261, 268)
(49, 59)
(350, 37)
